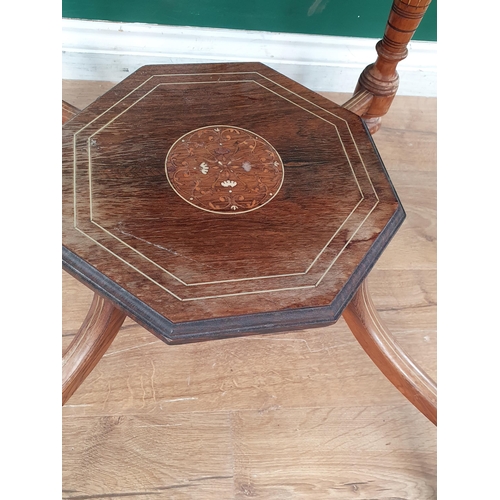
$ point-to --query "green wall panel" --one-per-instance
(360, 18)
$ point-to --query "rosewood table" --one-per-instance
(219, 200)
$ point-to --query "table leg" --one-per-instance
(380, 345)
(90, 343)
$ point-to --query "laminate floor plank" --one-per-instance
(407, 138)
(82, 93)
(144, 457)
(338, 453)
(414, 245)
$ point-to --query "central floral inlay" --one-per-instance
(224, 169)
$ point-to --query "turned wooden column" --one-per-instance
(381, 78)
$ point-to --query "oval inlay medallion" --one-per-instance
(224, 169)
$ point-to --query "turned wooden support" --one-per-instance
(385, 352)
(90, 343)
(381, 78)
(359, 102)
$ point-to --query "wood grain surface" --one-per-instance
(302, 415)
(218, 200)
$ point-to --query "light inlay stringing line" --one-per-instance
(230, 81)
(239, 279)
(193, 298)
(292, 103)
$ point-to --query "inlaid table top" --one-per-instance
(217, 200)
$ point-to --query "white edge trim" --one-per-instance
(106, 51)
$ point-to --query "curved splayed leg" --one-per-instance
(90, 343)
(369, 330)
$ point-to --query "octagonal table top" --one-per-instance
(217, 200)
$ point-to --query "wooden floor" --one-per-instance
(304, 415)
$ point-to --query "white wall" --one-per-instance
(98, 50)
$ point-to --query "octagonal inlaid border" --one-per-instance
(89, 139)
